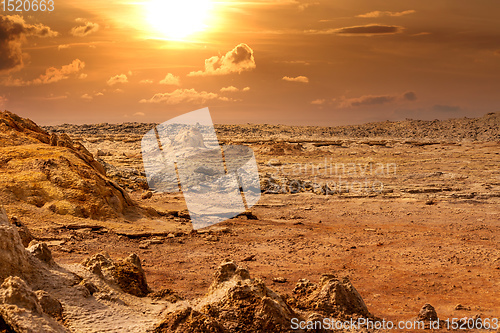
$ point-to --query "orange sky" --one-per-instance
(284, 61)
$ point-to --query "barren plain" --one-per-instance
(408, 211)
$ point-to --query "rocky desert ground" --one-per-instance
(385, 221)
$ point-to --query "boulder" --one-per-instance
(13, 257)
(332, 297)
(41, 251)
(21, 311)
(49, 304)
(126, 274)
(235, 303)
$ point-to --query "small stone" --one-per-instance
(460, 307)
(41, 251)
(280, 280)
(144, 245)
(249, 258)
(428, 313)
(147, 195)
(92, 288)
(212, 238)
(50, 305)
(83, 290)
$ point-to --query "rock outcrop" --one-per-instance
(54, 172)
(237, 303)
(13, 257)
(126, 274)
(332, 297)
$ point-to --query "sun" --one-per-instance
(178, 19)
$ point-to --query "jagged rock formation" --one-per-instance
(39, 296)
(332, 297)
(127, 273)
(13, 257)
(237, 303)
(54, 172)
(20, 308)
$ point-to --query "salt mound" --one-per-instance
(13, 257)
(333, 297)
(237, 303)
(189, 138)
(127, 273)
(53, 172)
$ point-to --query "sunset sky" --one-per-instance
(281, 62)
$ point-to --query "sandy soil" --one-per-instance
(429, 235)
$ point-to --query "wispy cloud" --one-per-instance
(184, 96)
(84, 30)
(301, 79)
(371, 100)
(233, 89)
(361, 30)
(318, 102)
(378, 13)
(51, 75)
(87, 97)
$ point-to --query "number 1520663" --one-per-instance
(27, 5)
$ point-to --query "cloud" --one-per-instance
(54, 75)
(13, 33)
(379, 13)
(318, 102)
(184, 96)
(237, 60)
(171, 79)
(146, 81)
(301, 79)
(87, 97)
(63, 46)
(229, 89)
(370, 100)
(367, 100)
(370, 29)
(304, 6)
(446, 108)
(296, 62)
(122, 78)
(233, 89)
(53, 97)
(82, 76)
(361, 30)
(51, 75)
(84, 30)
(410, 96)
(139, 114)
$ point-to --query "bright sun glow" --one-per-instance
(177, 19)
